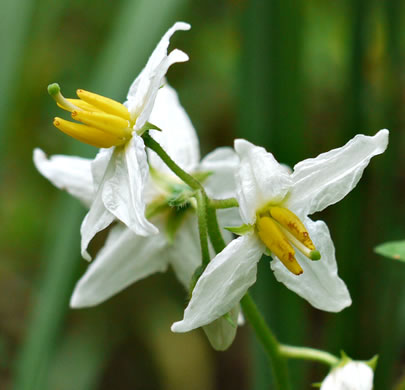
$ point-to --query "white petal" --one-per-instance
(124, 259)
(220, 332)
(326, 179)
(178, 137)
(68, 173)
(260, 179)
(99, 166)
(223, 283)
(223, 163)
(123, 191)
(352, 376)
(185, 253)
(142, 93)
(320, 284)
(98, 217)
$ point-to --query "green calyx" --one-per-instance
(240, 230)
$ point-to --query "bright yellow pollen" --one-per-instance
(282, 231)
(106, 122)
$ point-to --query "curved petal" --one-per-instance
(98, 217)
(260, 179)
(178, 137)
(69, 173)
(124, 259)
(223, 163)
(223, 283)
(99, 166)
(326, 179)
(352, 376)
(184, 254)
(221, 332)
(142, 93)
(123, 191)
(319, 284)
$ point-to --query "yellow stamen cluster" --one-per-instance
(105, 122)
(281, 230)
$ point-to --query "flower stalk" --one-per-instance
(304, 353)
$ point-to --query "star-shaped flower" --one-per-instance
(120, 170)
(274, 205)
(127, 257)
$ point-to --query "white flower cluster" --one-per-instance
(131, 186)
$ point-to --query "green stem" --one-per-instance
(214, 231)
(224, 203)
(308, 354)
(268, 341)
(202, 226)
(188, 179)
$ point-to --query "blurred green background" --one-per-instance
(297, 77)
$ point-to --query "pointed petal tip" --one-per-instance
(182, 26)
(178, 327)
(178, 56)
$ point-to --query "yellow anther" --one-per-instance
(110, 124)
(277, 243)
(80, 104)
(87, 134)
(107, 105)
(292, 224)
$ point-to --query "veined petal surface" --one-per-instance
(178, 137)
(123, 191)
(223, 163)
(223, 283)
(319, 284)
(326, 179)
(124, 259)
(69, 173)
(260, 179)
(142, 93)
(352, 376)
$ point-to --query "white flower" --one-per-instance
(126, 257)
(120, 170)
(352, 376)
(272, 204)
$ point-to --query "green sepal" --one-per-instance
(344, 359)
(174, 221)
(317, 385)
(372, 363)
(180, 199)
(146, 127)
(156, 207)
(202, 176)
(393, 250)
(240, 230)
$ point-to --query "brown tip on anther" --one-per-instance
(56, 122)
(300, 273)
(74, 113)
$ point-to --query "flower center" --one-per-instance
(105, 122)
(281, 230)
